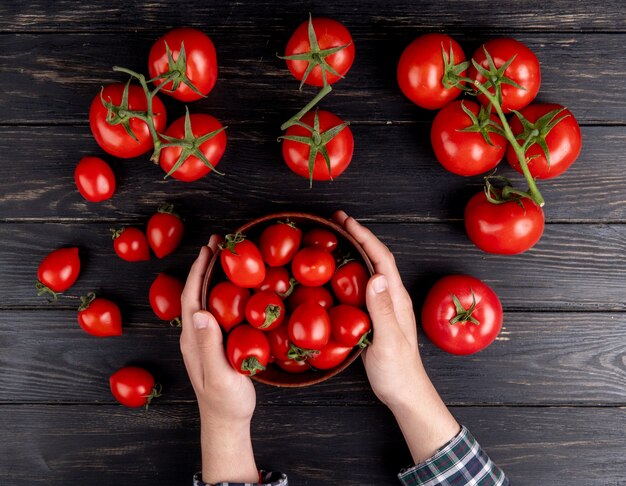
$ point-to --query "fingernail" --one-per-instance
(380, 284)
(200, 320)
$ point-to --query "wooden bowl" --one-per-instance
(274, 375)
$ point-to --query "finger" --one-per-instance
(387, 331)
(210, 345)
(193, 285)
(340, 217)
(214, 241)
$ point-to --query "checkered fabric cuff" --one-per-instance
(460, 462)
(266, 478)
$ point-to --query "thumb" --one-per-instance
(210, 342)
(381, 310)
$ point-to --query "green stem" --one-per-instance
(294, 119)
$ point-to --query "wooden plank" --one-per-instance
(389, 161)
(568, 15)
(53, 78)
(573, 267)
(540, 358)
(77, 445)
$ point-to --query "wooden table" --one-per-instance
(546, 400)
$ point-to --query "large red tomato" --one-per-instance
(247, 349)
(302, 294)
(313, 266)
(99, 317)
(265, 310)
(94, 179)
(134, 387)
(309, 326)
(227, 303)
(165, 294)
(349, 283)
(279, 243)
(329, 356)
(279, 343)
(242, 261)
(131, 244)
(322, 238)
(58, 272)
(277, 279)
(350, 326)
(165, 231)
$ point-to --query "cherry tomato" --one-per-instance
(564, 142)
(329, 34)
(165, 293)
(58, 272)
(313, 266)
(504, 229)
(227, 303)
(321, 238)
(465, 325)
(309, 326)
(265, 310)
(99, 317)
(247, 349)
(421, 69)
(114, 139)
(277, 280)
(131, 244)
(279, 343)
(340, 148)
(194, 168)
(199, 70)
(349, 283)
(329, 356)
(524, 70)
(350, 326)
(134, 387)
(165, 231)
(94, 179)
(279, 243)
(464, 153)
(242, 262)
(293, 365)
(302, 294)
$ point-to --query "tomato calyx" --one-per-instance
(464, 315)
(86, 300)
(272, 312)
(300, 354)
(482, 123)
(505, 194)
(292, 285)
(168, 208)
(536, 133)
(176, 322)
(317, 142)
(364, 341)
(495, 76)
(452, 73)
(252, 365)
(44, 289)
(116, 232)
(121, 114)
(176, 72)
(156, 392)
(230, 241)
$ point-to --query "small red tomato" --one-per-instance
(302, 294)
(247, 349)
(131, 244)
(242, 261)
(313, 266)
(58, 272)
(165, 293)
(309, 326)
(265, 310)
(349, 283)
(279, 243)
(293, 365)
(277, 280)
(94, 179)
(329, 356)
(134, 387)
(227, 303)
(461, 314)
(165, 231)
(99, 317)
(279, 343)
(350, 326)
(198, 66)
(321, 238)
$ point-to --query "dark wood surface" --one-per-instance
(547, 400)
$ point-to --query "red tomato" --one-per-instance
(329, 34)
(265, 310)
(193, 168)
(277, 280)
(504, 229)
(350, 326)
(321, 238)
(134, 387)
(329, 356)
(165, 231)
(421, 70)
(227, 303)
(313, 266)
(99, 317)
(198, 68)
(302, 294)
(524, 70)
(242, 261)
(114, 139)
(131, 244)
(464, 153)
(279, 243)
(340, 148)
(247, 349)
(58, 272)
(309, 326)
(467, 325)
(279, 343)
(349, 283)
(165, 293)
(94, 179)
(564, 142)
(293, 365)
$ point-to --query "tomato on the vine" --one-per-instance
(322, 238)
(187, 58)
(331, 355)
(278, 280)
(99, 317)
(279, 243)
(247, 349)
(461, 314)
(134, 387)
(94, 179)
(58, 271)
(165, 231)
(131, 244)
(349, 283)
(227, 303)
(350, 326)
(242, 261)
(165, 293)
(313, 266)
(265, 310)
(302, 294)
(309, 326)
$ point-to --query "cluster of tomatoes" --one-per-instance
(277, 303)
(540, 140)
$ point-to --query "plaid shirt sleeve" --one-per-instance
(266, 478)
(460, 462)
